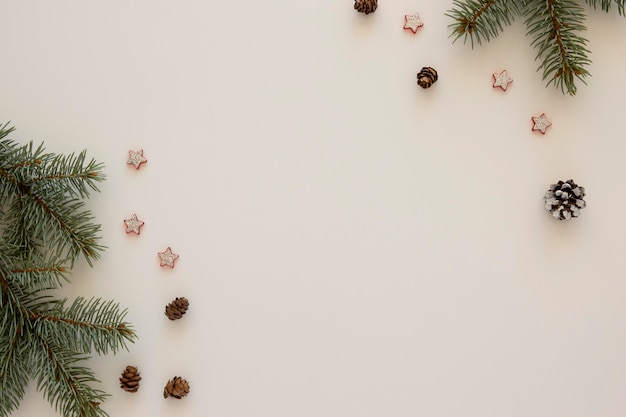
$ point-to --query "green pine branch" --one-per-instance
(14, 372)
(606, 5)
(66, 384)
(555, 28)
(559, 45)
(84, 326)
(42, 195)
(39, 276)
(479, 20)
(44, 228)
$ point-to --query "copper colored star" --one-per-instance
(413, 22)
(133, 225)
(541, 123)
(136, 158)
(502, 80)
(168, 257)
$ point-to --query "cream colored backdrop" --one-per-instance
(351, 245)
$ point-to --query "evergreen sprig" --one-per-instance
(44, 229)
(555, 27)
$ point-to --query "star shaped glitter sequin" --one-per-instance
(413, 22)
(541, 123)
(168, 257)
(502, 80)
(133, 225)
(136, 158)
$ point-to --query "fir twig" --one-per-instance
(85, 325)
(66, 384)
(479, 20)
(606, 5)
(559, 43)
(44, 228)
(555, 27)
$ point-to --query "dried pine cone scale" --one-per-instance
(130, 379)
(177, 308)
(176, 387)
(366, 6)
(427, 77)
(565, 200)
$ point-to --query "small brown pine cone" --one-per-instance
(366, 6)
(176, 387)
(177, 308)
(426, 77)
(130, 379)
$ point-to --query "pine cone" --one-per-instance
(366, 6)
(426, 77)
(130, 379)
(177, 308)
(565, 200)
(176, 387)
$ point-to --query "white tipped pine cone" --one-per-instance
(366, 6)
(129, 381)
(177, 308)
(565, 200)
(176, 387)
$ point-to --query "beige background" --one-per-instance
(351, 245)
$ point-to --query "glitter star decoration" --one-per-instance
(541, 123)
(168, 257)
(502, 80)
(136, 158)
(133, 225)
(413, 22)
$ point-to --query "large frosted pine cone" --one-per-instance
(176, 387)
(565, 200)
(177, 308)
(366, 6)
(130, 379)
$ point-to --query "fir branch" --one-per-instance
(5, 130)
(606, 5)
(44, 227)
(69, 174)
(559, 43)
(38, 277)
(481, 19)
(13, 372)
(54, 225)
(66, 384)
(85, 325)
(555, 27)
